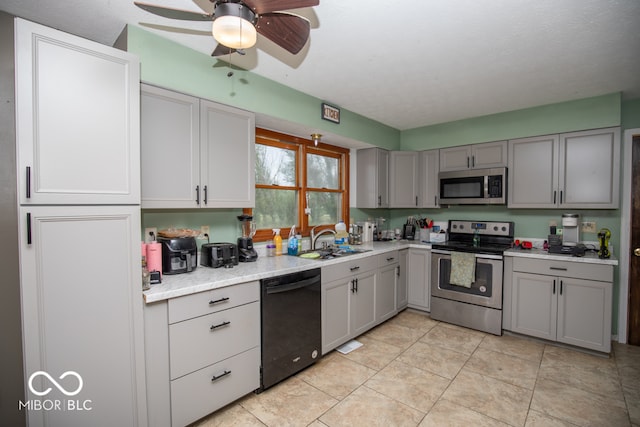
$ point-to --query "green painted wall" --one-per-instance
(170, 65)
(589, 113)
(631, 114)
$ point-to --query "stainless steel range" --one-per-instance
(472, 258)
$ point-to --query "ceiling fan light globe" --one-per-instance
(233, 27)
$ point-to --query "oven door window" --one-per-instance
(462, 188)
(483, 285)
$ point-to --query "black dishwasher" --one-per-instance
(291, 330)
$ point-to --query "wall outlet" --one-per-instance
(204, 230)
(588, 227)
(150, 234)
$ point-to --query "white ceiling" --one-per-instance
(412, 63)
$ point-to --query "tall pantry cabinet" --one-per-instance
(78, 186)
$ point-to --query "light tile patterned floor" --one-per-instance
(414, 371)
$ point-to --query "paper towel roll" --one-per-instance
(154, 257)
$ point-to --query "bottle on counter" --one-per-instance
(277, 240)
(342, 237)
(292, 243)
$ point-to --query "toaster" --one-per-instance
(219, 255)
(179, 255)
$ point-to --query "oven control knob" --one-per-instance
(495, 228)
(504, 228)
(461, 226)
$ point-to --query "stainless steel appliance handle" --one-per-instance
(480, 256)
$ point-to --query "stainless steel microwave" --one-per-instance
(474, 187)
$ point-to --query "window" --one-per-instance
(298, 184)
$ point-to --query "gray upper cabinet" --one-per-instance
(475, 156)
(208, 148)
(77, 121)
(403, 179)
(577, 170)
(372, 178)
(428, 179)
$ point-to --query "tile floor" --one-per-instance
(414, 371)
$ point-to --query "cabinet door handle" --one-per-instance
(416, 200)
(560, 287)
(217, 377)
(28, 182)
(353, 286)
(197, 194)
(468, 163)
(473, 161)
(223, 299)
(379, 200)
(435, 200)
(558, 268)
(205, 194)
(554, 196)
(554, 287)
(398, 271)
(28, 228)
(356, 279)
(220, 325)
(560, 196)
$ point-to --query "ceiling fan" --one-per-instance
(236, 23)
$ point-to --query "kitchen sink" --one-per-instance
(331, 253)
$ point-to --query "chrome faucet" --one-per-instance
(314, 236)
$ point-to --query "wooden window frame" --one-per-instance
(303, 147)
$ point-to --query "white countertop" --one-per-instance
(589, 257)
(206, 278)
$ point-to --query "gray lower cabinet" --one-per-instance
(348, 300)
(386, 286)
(203, 352)
(402, 291)
(418, 278)
(568, 302)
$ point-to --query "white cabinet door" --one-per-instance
(227, 154)
(363, 303)
(335, 313)
(77, 112)
(475, 156)
(372, 178)
(386, 292)
(533, 172)
(534, 305)
(584, 313)
(418, 277)
(82, 311)
(170, 148)
(428, 181)
(590, 169)
(403, 179)
(402, 298)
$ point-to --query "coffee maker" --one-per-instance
(246, 252)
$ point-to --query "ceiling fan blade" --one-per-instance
(290, 32)
(167, 12)
(266, 6)
(221, 50)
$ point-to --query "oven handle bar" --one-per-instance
(481, 256)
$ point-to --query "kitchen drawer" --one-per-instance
(194, 344)
(388, 258)
(348, 268)
(578, 270)
(211, 301)
(196, 395)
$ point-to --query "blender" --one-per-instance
(246, 253)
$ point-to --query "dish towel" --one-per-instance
(463, 269)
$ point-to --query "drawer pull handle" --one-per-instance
(212, 302)
(558, 268)
(217, 377)
(357, 267)
(390, 259)
(220, 325)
